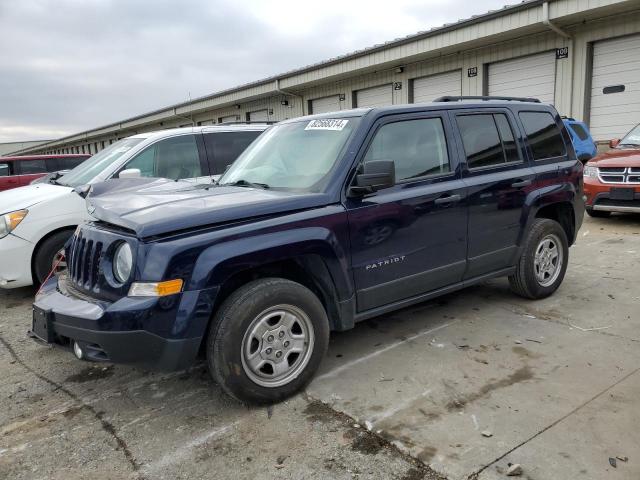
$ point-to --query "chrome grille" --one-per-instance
(84, 259)
(628, 175)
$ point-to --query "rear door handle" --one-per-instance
(521, 183)
(447, 199)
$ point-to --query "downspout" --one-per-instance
(284, 92)
(548, 23)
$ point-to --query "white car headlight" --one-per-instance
(9, 221)
(589, 171)
(123, 262)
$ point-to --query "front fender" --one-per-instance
(218, 263)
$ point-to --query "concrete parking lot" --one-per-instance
(456, 388)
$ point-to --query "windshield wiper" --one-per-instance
(245, 183)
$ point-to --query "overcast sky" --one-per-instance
(71, 65)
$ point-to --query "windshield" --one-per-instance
(632, 138)
(86, 171)
(296, 156)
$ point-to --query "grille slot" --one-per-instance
(84, 262)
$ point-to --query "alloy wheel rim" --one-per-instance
(548, 260)
(59, 262)
(277, 346)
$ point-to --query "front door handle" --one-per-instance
(447, 199)
(521, 183)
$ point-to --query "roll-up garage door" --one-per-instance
(615, 87)
(258, 116)
(530, 76)
(426, 89)
(374, 97)
(229, 119)
(325, 104)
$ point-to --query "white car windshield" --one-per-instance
(293, 156)
(632, 138)
(90, 168)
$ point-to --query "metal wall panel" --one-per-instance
(530, 76)
(616, 63)
(426, 89)
(379, 96)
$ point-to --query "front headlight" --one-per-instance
(123, 262)
(589, 171)
(9, 221)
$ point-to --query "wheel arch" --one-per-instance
(39, 243)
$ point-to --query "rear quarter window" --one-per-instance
(544, 136)
(224, 147)
(579, 131)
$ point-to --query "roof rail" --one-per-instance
(265, 122)
(453, 98)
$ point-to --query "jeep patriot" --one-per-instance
(322, 222)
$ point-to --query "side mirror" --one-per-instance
(374, 175)
(130, 173)
(614, 143)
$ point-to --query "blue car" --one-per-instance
(583, 143)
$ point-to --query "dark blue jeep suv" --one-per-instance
(322, 222)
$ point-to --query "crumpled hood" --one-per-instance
(29, 195)
(618, 158)
(153, 207)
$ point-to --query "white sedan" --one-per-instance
(37, 220)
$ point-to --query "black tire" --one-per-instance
(232, 322)
(598, 213)
(524, 281)
(44, 256)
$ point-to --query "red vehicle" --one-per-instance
(22, 170)
(612, 179)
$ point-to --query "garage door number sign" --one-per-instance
(562, 53)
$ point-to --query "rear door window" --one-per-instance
(488, 140)
(26, 167)
(67, 163)
(545, 139)
(224, 147)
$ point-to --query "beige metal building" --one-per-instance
(581, 55)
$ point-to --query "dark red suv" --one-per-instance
(22, 170)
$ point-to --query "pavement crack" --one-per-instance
(423, 469)
(107, 426)
(474, 475)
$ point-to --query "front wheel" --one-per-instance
(267, 340)
(50, 256)
(543, 263)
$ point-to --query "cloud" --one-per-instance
(71, 65)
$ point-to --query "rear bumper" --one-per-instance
(15, 267)
(92, 325)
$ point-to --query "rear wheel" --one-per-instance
(598, 213)
(543, 263)
(50, 255)
(267, 340)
